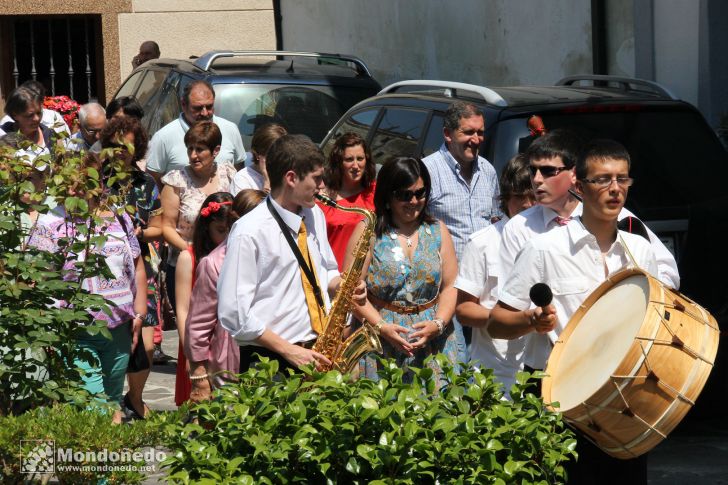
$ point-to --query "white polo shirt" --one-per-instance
(167, 150)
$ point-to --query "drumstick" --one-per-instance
(541, 295)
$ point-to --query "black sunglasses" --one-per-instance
(406, 195)
(546, 171)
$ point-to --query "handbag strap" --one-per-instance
(297, 252)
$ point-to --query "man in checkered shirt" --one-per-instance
(464, 185)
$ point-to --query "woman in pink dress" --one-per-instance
(350, 181)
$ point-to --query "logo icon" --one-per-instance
(40, 458)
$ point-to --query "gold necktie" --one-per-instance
(314, 310)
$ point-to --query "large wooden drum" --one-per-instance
(630, 363)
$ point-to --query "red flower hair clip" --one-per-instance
(213, 207)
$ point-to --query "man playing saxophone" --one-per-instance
(279, 274)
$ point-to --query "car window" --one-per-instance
(359, 123)
(169, 105)
(434, 137)
(308, 110)
(667, 179)
(398, 134)
(127, 89)
(149, 87)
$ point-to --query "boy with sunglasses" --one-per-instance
(573, 260)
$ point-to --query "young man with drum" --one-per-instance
(552, 158)
(573, 259)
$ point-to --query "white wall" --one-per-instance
(186, 27)
(492, 42)
(677, 47)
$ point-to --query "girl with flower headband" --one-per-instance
(210, 229)
(213, 353)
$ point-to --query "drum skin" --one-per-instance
(630, 363)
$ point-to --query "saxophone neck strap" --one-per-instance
(297, 252)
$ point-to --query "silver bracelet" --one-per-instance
(440, 325)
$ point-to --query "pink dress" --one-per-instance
(205, 338)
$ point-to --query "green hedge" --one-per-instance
(322, 428)
(79, 430)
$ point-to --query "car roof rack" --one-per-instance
(625, 83)
(450, 89)
(206, 60)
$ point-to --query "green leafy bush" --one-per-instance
(323, 428)
(80, 430)
(37, 336)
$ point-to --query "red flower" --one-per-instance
(67, 107)
(213, 207)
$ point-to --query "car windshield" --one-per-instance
(309, 110)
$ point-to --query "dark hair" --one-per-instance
(292, 152)
(265, 136)
(561, 142)
(334, 175)
(204, 133)
(459, 110)
(35, 86)
(128, 104)
(398, 174)
(515, 180)
(202, 245)
(600, 149)
(154, 45)
(244, 202)
(192, 85)
(20, 100)
(118, 127)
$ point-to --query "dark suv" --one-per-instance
(306, 92)
(677, 159)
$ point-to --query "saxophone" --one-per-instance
(344, 355)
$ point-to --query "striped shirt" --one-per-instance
(463, 208)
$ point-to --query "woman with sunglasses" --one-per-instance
(410, 271)
(349, 179)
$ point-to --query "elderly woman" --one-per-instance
(350, 182)
(256, 176)
(25, 107)
(410, 271)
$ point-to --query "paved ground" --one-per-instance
(696, 453)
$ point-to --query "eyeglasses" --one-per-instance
(91, 132)
(406, 195)
(605, 181)
(546, 171)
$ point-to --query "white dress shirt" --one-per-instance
(538, 219)
(260, 280)
(478, 276)
(568, 259)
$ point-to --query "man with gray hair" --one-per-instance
(91, 119)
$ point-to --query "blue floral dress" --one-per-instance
(395, 278)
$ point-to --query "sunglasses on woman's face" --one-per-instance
(406, 195)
